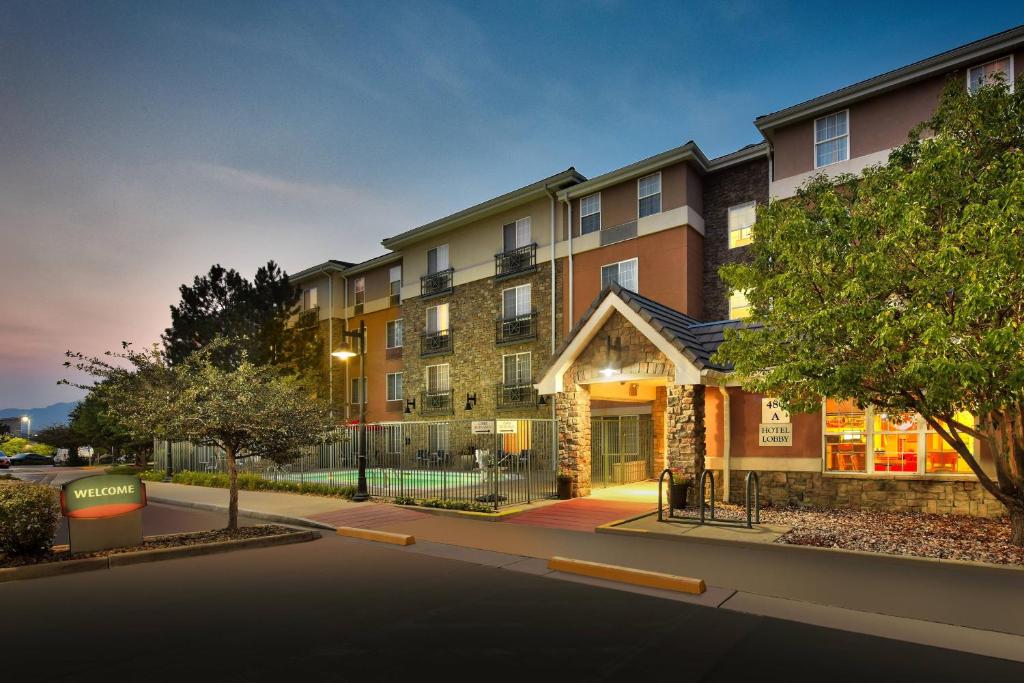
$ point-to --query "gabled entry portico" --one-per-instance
(624, 347)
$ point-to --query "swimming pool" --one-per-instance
(413, 479)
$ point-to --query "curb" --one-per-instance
(374, 535)
(612, 528)
(255, 514)
(636, 577)
(39, 571)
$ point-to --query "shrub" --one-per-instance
(123, 469)
(253, 482)
(464, 505)
(404, 500)
(29, 514)
(152, 475)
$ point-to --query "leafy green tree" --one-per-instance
(93, 425)
(247, 411)
(253, 316)
(903, 289)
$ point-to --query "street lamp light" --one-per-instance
(344, 352)
(27, 421)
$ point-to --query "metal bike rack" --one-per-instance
(752, 503)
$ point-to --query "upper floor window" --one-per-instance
(395, 287)
(623, 272)
(359, 285)
(309, 298)
(437, 259)
(987, 74)
(741, 224)
(739, 305)
(649, 192)
(358, 391)
(394, 386)
(590, 213)
(394, 333)
(517, 369)
(438, 378)
(831, 139)
(516, 234)
(437, 318)
(515, 302)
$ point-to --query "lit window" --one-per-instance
(624, 273)
(394, 333)
(437, 259)
(394, 386)
(895, 442)
(590, 214)
(517, 370)
(999, 70)
(739, 305)
(437, 318)
(649, 192)
(741, 224)
(831, 139)
(516, 234)
(940, 457)
(846, 443)
(309, 299)
(395, 280)
(515, 302)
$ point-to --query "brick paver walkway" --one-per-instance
(580, 514)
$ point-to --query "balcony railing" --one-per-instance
(516, 396)
(308, 318)
(515, 261)
(437, 402)
(519, 328)
(437, 283)
(436, 343)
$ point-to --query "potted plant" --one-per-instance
(564, 486)
(678, 490)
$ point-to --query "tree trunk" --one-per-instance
(232, 490)
(1016, 525)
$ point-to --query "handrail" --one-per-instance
(752, 476)
(704, 476)
(671, 483)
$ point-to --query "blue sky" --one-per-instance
(144, 141)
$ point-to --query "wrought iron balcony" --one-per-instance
(308, 318)
(436, 343)
(437, 402)
(437, 283)
(515, 261)
(516, 396)
(519, 328)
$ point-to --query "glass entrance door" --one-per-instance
(621, 449)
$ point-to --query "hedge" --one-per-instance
(29, 514)
(252, 482)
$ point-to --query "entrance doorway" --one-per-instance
(621, 449)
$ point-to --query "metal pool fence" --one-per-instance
(455, 460)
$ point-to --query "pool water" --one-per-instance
(412, 479)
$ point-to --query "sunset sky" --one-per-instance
(140, 142)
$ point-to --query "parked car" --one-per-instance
(31, 459)
(5, 462)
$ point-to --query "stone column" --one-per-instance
(572, 411)
(659, 409)
(685, 428)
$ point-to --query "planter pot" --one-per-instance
(564, 489)
(677, 494)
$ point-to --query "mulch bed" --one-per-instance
(947, 537)
(62, 553)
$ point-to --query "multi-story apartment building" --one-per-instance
(597, 302)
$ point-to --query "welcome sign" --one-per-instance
(102, 496)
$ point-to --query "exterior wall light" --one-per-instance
(470, 401)
(613, 357)
(410, 405)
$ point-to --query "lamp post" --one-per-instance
(27, 421)
(345, 352)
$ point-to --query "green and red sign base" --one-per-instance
(104, 511)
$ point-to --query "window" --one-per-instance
(739, 305)
(394, 334)
(831, 139)
(357, 395)
(741, 224)
(359, 285)
(987, 74)
(438, 378)
(309, 298)
(516, 234)
(437, 318)
(395, 287)
(623, 272)
(515, 302)
(875, 441)
(649, 192)
(394, 386)
(590, 214)
(517, 370)
(437, 259)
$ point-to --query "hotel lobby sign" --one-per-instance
(103, 511)
(775, 428)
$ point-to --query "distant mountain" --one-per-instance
(42, 417)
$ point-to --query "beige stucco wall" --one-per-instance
(319, 281)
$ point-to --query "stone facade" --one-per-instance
(572, 408)
(962, 497)
(684, 428)
(731, 186)
(476, 363)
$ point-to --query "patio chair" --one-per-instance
(422, 460)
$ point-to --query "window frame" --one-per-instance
(748, 306)
(597, 213)
(362, 391)
(847, 135)
(504, 312)
(395, 297)
(1010, 77)
(359, 292)
(528, 221)
(399, 327)
(731, 230)
(426, 377)
(309, 294)
(640, 198)
(447, 318)
(447, 257)
(529, 365)
(619, 265)
(400, 386)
